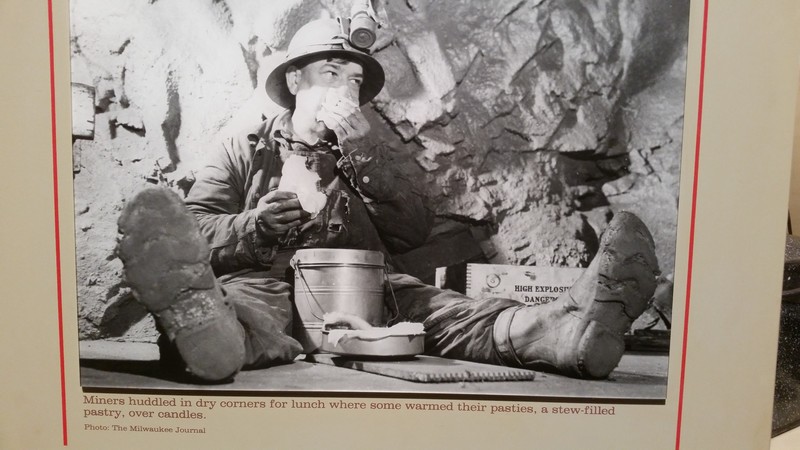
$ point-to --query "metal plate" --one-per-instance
(388, 346)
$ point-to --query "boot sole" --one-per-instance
(166, 264)
(627, 273)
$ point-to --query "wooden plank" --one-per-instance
(638, 377)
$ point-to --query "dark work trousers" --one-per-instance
(456, 326)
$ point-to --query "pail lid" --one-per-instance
(335, 256)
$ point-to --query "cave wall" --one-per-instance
(534, 119)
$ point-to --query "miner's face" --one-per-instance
(311, 83)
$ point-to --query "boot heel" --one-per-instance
(599, 351)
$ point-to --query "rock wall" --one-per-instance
(534, 119)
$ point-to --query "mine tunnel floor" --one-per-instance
(122, 366)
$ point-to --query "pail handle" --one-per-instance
(391, 290)
(296, 266)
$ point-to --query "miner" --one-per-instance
(212, 276)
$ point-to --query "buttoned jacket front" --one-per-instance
(369, 206)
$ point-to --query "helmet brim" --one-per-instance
(374, 76)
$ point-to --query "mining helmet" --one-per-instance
(317, 39)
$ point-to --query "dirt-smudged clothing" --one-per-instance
(369, 206)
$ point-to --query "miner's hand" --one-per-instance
(341, 114)
(278, 212)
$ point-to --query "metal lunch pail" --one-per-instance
(335, 280)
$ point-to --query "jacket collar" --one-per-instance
(280, 131)
(282, 134)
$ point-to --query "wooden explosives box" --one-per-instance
(536, 285)
(532, 285)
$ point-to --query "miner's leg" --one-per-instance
(264, 309)
(264, 312)
(456, 326)
(580, 334)
(166, 264)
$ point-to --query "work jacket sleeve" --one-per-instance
(218, 202)
(396, 206)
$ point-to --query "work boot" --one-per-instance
(166, 263)
(580, 333)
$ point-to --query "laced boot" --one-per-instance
(166, 262)
(580, 333)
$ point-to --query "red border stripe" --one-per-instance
(56, 217)
(692, 222)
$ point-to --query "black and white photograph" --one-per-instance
(409, 198)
